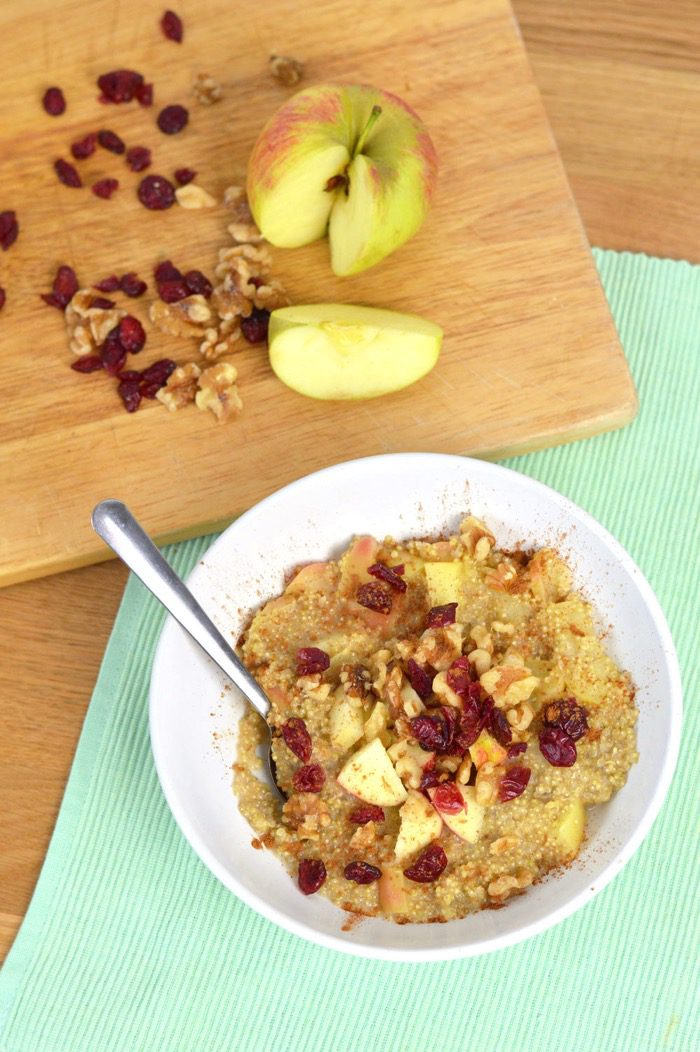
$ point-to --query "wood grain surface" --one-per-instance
(641, 61)
(502, 264)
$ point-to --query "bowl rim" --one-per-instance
(527, 930)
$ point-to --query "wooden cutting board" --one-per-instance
(530, 356)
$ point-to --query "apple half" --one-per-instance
(341, 351)
(346, 160)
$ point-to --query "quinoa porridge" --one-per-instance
(443, 715)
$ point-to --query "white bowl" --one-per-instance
(193, 720)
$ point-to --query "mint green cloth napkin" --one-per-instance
(130, 945)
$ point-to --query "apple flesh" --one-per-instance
(570, 828)
(393, 897)
(341, 351)
(445, 582)
(487, 750)
(346, 724)
(344, 159)
(370, 776)
(420, 824)
(465, 824)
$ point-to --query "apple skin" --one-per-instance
(313, 138)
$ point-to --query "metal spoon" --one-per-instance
(118, 528)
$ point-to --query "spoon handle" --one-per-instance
(118, 528)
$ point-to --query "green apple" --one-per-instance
(344, 159)
(420, 824)
(467, 823)
(340, 351)
(369, 775)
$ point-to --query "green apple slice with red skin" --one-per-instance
(370, 776)
(334, 351)
(347, 159)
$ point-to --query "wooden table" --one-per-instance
(621, 84)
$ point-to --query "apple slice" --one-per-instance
(445, 582)
(392, 890)
(341, 351)
(570, 828)
(486, 750)
(369, 775)
(346, 724)
(420, 823)
(465, 824)
(377, 721)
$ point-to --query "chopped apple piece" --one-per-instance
(465, 824)
(377, 721)
(410, 761)
(369, 775)
(420, 824)
(486, 750)
(445, 582)
(355, 562)
(392, 890)
(315, 577)
(570, 828)
(346, 724)
(341, 351)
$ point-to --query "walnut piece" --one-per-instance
(193, 196)
(220, 340)
(187, 317)
(206, 90)
(87, 326)
(286, 70)
(218, 391)
(181, 388)
(243, 228)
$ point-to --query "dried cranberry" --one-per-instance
(131, 285)
(110, 284)
(109, 140)
(389, 576)
(513, 783)
(311, 875)
(183, 176)
(89, 363)
(459, 675)
(130, 395)
(431, 732)
(568, 715)
(447, 799)
(171, 24)
(368, 813)
(84, 147)
(172, 119)
(255, 326)
(144, 94)
(429, 778)
(427, 866)
(112, 353)
(400, 569)
(469, 727)
(67, 173)
(297, 738)
(516, 749)
(173, 291)
(439, 616)
(159, 372)
(361, 872)
(420, 679)
(105, 188)
(138, 158)
(310, 660)
(9, 229)
(198, 284)
(374, 596)
(166, 271)
(131, 334)
(102, 303)
(3, 297)
(156, 193)
(54, 102)
(65, 286)
(129, 374)
(119, 85)
(499, 727)
(557, 747)
(309, 779)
